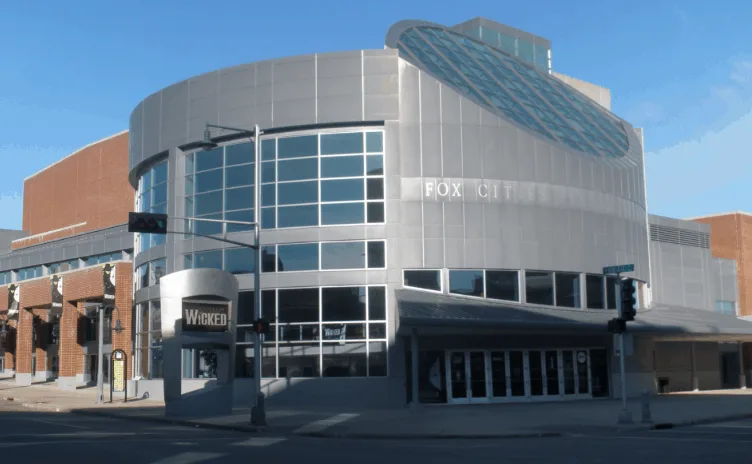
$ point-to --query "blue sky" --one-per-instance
(72, 72)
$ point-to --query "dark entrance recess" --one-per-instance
(431, 377)
(599, 373)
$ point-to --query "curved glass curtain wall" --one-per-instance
(307, 180)
(152, 198)
(515, 90)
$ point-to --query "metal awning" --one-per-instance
(425, 309)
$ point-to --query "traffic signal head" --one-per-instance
(628, 300)
(617, 326)
(262, 327)
(147, 223)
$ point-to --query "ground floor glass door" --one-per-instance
(523, 375)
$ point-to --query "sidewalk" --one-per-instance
(428, 421)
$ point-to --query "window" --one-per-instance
(726, 307)
(240, 260)
(208, 259)
(298, 257)
(594, 284)
(503, 285)
(318, 332)
(464, 282)
(567, 290)
(611, 292)
(424, 279)
(343, 255)
(4, 277)
(157, 269)
(148, 343)
(152, 198)
(539, 287)
(376, 255)
(29, 273)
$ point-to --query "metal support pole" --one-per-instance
(742, 374)
(695, 383)
(100, 361)
(414, 373)
(625, 415)
(258, 415)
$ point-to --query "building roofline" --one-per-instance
(730, 213)
(76, 152)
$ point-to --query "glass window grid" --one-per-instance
(147, 339)
(321, 343)
(521, 288)
(591, 130)
(5, 277)
(146, 241)
(269, 160)
(190, 258)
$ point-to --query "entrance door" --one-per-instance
(552, 373)
(499, 374)
(468, 376)
(457, 376)
(535, 367)
(517, 373)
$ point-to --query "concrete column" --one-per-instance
(414, 369)
(742, 375)
(694, 379)
(23, 347)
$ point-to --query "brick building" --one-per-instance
(73, 217)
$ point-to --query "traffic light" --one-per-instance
(147, 223)
(617, 326)
(262, 327)
(628, 300)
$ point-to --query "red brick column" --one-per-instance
(10, 344)
(124, 303)
(70, 351)
(23, 344)
(43, 330)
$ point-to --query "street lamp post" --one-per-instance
(100, 357)
(258, 414)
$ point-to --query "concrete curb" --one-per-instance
(166, 420)
(426, 436)
(689, 423)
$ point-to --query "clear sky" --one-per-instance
(72, 71)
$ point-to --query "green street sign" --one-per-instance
(618, 269)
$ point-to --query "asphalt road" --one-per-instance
(34, 437)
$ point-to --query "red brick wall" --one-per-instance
(731, 238)
(89, 186)
(124, 302)
(23, 341)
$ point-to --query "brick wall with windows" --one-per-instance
(89, 186)
(731, 238)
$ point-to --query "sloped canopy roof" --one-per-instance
(425, 309)
(511, 88)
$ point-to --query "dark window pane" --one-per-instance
(567, 290)
(188, 185)
(238, 175)
(268, 218)
(209, 159)
(342, 166)
(298, 333)
(268, 172)
(376, 303)
(299, 169)
(268, 149)
(208, 259)
(502, 285)
(375, 212)
(343, 304)
(376, 255)
(242, 215)
(343, 213)
(340, 144)
(374, 165)
(425, 279)
(343, 255)
(298, 257)
(246, 305)
(268, 195)
(594, 285)
(342, 190)
(239, 153)
(539, 287)
(466, 282)
(377, 359)
(299, 360)
(240, 261)
(375, 189)
(347, 360)
(298, 305)
(374, 142)
(297, 192)
(159, 173)
(208, 203)
(189, 166)
(377, 330)
(611, 292)
(297, 147)
(209, 180)
(297, 216)
(208, 228)
(244, 361)
(146, 181)
(268, 259)
(239, 198)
